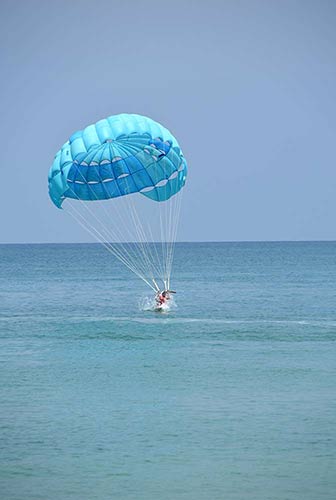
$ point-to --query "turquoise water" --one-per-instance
(229, 396)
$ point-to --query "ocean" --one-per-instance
(231, 395)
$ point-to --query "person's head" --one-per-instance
(164, 293)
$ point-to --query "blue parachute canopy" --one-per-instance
(120, 155)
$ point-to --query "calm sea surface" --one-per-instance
(229, 396)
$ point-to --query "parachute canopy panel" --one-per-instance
(120, 155)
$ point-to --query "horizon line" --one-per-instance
(177, 242)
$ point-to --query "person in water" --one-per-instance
(162, 297)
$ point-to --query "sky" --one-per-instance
(248, 87)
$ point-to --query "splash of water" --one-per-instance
(148, 303)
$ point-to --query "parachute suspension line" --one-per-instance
(140, 256)
(164, 222)
(168, 207)
(146, 241)
(139, 259)
(170, 222)
(141, 237)
(169, 237)
(162, 238)
(176, 211)
(162, 243)
(103, 234)
(169, 219)
(155, 245)
(114, 249)
(135, 258)
(142, 248)
(174, 218)
(95, 233)
(100, 238)
(128, 259)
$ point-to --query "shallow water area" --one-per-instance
(230, 394)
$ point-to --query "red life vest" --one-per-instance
(162, 299)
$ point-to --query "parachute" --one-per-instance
(121, 179)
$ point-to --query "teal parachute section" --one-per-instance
(115, 157)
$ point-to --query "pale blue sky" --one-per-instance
(248, 87)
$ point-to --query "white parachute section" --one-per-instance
(139, 232)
